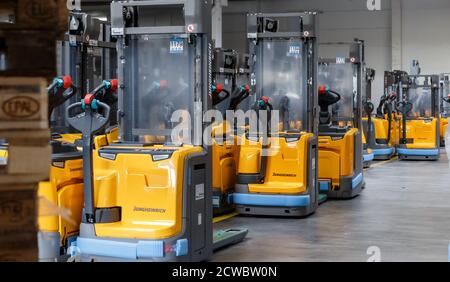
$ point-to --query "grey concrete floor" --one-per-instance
(404, 212)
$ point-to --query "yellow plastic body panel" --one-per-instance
(106, 139)
(112, 136)
(381, 128)
(224, 158)
(443, 127)
(286, 171)
(423, 132)
(4, 154)
(364, 141)
(70, 138)
(336, 157)
(48, 201)
(149, 193)
(70, 203)
(71, 173)
(249, 156)
(395, 132)
(61, 200)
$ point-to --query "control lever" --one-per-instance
(244, 93)
(59, 92)
(446, 99)
(107, 91)
(93, 119)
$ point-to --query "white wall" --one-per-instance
(402, 31)
(426, 35)
(342, 20)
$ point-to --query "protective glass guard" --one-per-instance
(158, 73)
(445, 94)
(282, 81)
(94, 68)
(340, 78)
(365, 93)
(420, 98)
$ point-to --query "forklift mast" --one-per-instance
(174, 38)
(273, 37)
(344, 73)
(88, 55)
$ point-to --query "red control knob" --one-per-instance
(265, 99)
(88, 99)
(322, 89)
(67, 82)
(219, 87)
(247, 88)
(114, 84)
(163, 84)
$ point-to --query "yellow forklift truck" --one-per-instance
(340, 123)
(61, 199)
(445, 106)
(396, 115)
(86, 56)
(368, 107)
(277, 168)
(224, 146)
(385, 124)
(227, 96)
(418, 104)
(148, 196)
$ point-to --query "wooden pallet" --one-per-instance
(29, 156)
(18, 222)
(24, 127)
(23, 103)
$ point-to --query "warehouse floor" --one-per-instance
(404, 211)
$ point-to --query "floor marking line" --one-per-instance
(384, 162)
(224, 217)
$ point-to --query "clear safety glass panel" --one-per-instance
(93, 68)
(282, 81)
(365, 93)
(96, 68)
(445, 94)
(340, 78)
(421, 100)
(158, 75)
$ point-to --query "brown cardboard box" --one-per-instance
(18, 222)
(23, 103)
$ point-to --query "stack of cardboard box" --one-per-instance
(24, 126)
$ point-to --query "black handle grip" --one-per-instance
(88, 122)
